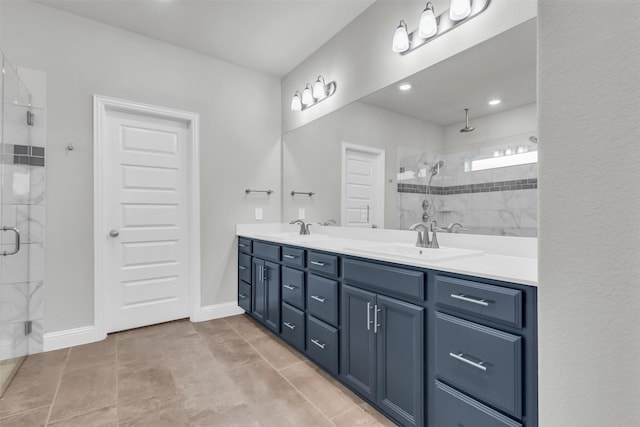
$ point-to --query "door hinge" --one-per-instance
(28, 327)
(30, 117)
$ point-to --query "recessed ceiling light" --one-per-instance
(495, 102)
(405, 86)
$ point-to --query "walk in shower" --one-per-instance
(22, 162)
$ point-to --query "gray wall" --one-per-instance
(239, 141)
(589, 241)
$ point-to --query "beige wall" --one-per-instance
(360, 60)
(589, 241)
(240, 141)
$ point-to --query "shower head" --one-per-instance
(533, 139)
(467, 128)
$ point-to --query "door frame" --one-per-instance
(101, 105)
(380, 164)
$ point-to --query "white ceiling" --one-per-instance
(265, 35)
(503, 67)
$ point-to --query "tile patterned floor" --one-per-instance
(225, 372)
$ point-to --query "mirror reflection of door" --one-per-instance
(362, 186)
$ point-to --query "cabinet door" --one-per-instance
(358, 366)
(400, 354)
(258, 289)
(272, 295)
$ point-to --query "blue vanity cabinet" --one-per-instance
(266, 293)
(382, 350)
(425, 347)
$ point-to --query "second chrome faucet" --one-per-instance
(423, 240)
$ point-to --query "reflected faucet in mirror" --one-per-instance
(304, 228)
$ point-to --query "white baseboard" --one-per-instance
(217, 311)
(88, 334)
(71, 337)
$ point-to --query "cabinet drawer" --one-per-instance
(322, 344)
(266, 251)
(244, 245)
(481, 361)
(244, 267)
(393, 281)
(492, 302)
(293, 326)
(293, 257)
(453, 409)
(322, 298)
(323, 263)
(293, 286)
(244, 296)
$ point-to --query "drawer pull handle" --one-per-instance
(289, 325)
(461, 358)
(242, 267)
(317, 298)
(290, 256)
(320, 264)
(318, 343)
(291, 288)
(242, 296)
(471, 300)
(242, 245)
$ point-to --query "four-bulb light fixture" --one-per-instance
(431, 27)
(312, 94)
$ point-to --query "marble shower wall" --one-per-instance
(22, 205)
(500, 201)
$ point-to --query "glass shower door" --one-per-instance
(16, 286)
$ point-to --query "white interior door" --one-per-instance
(147, 247)
(362, 186)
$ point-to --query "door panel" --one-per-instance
(400, 342)
(361, 192)
(358, 367)
(258, 289)
(272, 295)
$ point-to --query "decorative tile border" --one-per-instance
(485, 187)
(23, 155)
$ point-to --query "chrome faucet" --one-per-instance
(304, 228)
(434, 237)
(423, 235)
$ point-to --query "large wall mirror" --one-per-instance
(398, 157)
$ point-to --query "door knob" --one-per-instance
(114, 233)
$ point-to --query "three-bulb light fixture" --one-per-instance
(312, 94)
(431, 27)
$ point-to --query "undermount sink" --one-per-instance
(410, 251)
(293, 236)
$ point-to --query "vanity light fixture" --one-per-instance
(307, 96)
(495, 102)
(405, 87)
(431, 27)
(312, 94)
(296, 102)
(401, 38)
(428, 26)
(459, 9)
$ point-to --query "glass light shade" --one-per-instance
(401, 38)
(307, 97)
(428, 26)
(319, 89)
(296, 102)
(459, 9)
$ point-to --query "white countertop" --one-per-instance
(504, 258)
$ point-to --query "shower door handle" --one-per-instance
(17, 246)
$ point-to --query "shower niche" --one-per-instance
(22, 204)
